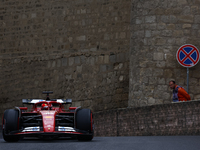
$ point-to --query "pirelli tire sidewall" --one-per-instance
(84, 121)
(10, 123)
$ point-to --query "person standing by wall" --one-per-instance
(179, 93)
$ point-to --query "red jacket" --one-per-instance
(182, 94)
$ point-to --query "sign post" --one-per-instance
(187, 56)
(187, 79)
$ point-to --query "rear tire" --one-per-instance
(11, 123)
(84, 122)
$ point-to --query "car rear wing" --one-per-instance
(64, 101)
(33, 101)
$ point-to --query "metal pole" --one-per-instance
(188, 80)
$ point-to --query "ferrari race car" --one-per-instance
(47, 119)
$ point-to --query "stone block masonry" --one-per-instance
(104, 54)
(158, 29)
(77, 49)
(168, 119)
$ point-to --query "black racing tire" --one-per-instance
(83, 122)
(10, 123)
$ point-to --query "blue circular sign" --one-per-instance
(187, 55)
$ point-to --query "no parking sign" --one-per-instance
(187, 56)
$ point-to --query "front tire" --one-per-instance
(84, 121)
(10, 123)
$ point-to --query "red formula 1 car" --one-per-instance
(47, 119)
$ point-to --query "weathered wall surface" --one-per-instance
(158, 29)
(79, 49)
(166, 119)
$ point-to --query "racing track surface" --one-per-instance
(108, 143)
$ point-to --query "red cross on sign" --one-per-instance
(187, 55)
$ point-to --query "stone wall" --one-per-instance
(83, 49)
(158, 29)
(167, 119)
(78, 49)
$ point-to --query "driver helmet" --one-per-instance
(44, 107)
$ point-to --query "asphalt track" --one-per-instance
(108, 143)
